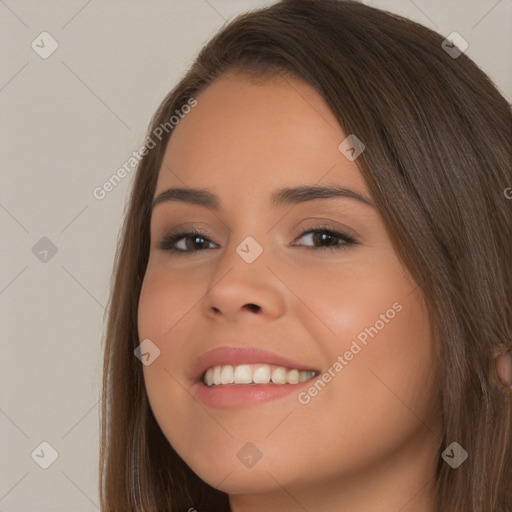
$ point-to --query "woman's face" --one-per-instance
(273, 286)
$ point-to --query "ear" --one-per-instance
(504, 368)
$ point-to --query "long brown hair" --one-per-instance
(438, 159)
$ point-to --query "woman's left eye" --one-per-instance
(322, 235)
(334, 239)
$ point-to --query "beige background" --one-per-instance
(68, 123)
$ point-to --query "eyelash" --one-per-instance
(169, 240)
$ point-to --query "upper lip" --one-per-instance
(241, 355)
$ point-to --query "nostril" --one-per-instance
(253, 307)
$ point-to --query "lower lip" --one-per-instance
(239, 395)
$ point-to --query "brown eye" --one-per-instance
(332, 240)
(195, 241)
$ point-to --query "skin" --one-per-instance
(368, 441)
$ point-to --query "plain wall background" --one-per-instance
(68, 123)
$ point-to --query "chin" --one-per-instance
(236, 470)
(238, 480)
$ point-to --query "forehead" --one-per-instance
(268, 133)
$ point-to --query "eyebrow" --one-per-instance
(280, 198)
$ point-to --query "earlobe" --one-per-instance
(504, 368)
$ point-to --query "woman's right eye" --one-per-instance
(171, 242)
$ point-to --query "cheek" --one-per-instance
(377, 322)
(388, 361)
(164, 303)
(165, 298)
(340, 301)
(166, 308)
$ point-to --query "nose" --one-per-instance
(240, 289)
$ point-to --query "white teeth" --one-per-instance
(279, 375)
(261, 375)
(243, 374)
(226, 375)
(292, 377)
(254, 374)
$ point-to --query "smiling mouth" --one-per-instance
(254, 374)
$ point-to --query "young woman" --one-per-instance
(311, 307)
